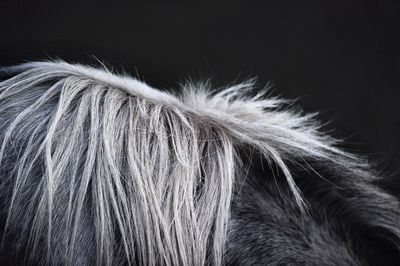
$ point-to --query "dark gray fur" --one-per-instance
(352, 221)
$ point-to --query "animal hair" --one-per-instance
(99, 168)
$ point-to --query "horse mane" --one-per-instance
(154, 172)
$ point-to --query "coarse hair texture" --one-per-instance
(153, 172)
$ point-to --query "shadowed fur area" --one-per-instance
(101, 169)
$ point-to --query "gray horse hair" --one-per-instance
(153, 172)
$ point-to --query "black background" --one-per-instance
(340, 57)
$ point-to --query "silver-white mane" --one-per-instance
(156, 170)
